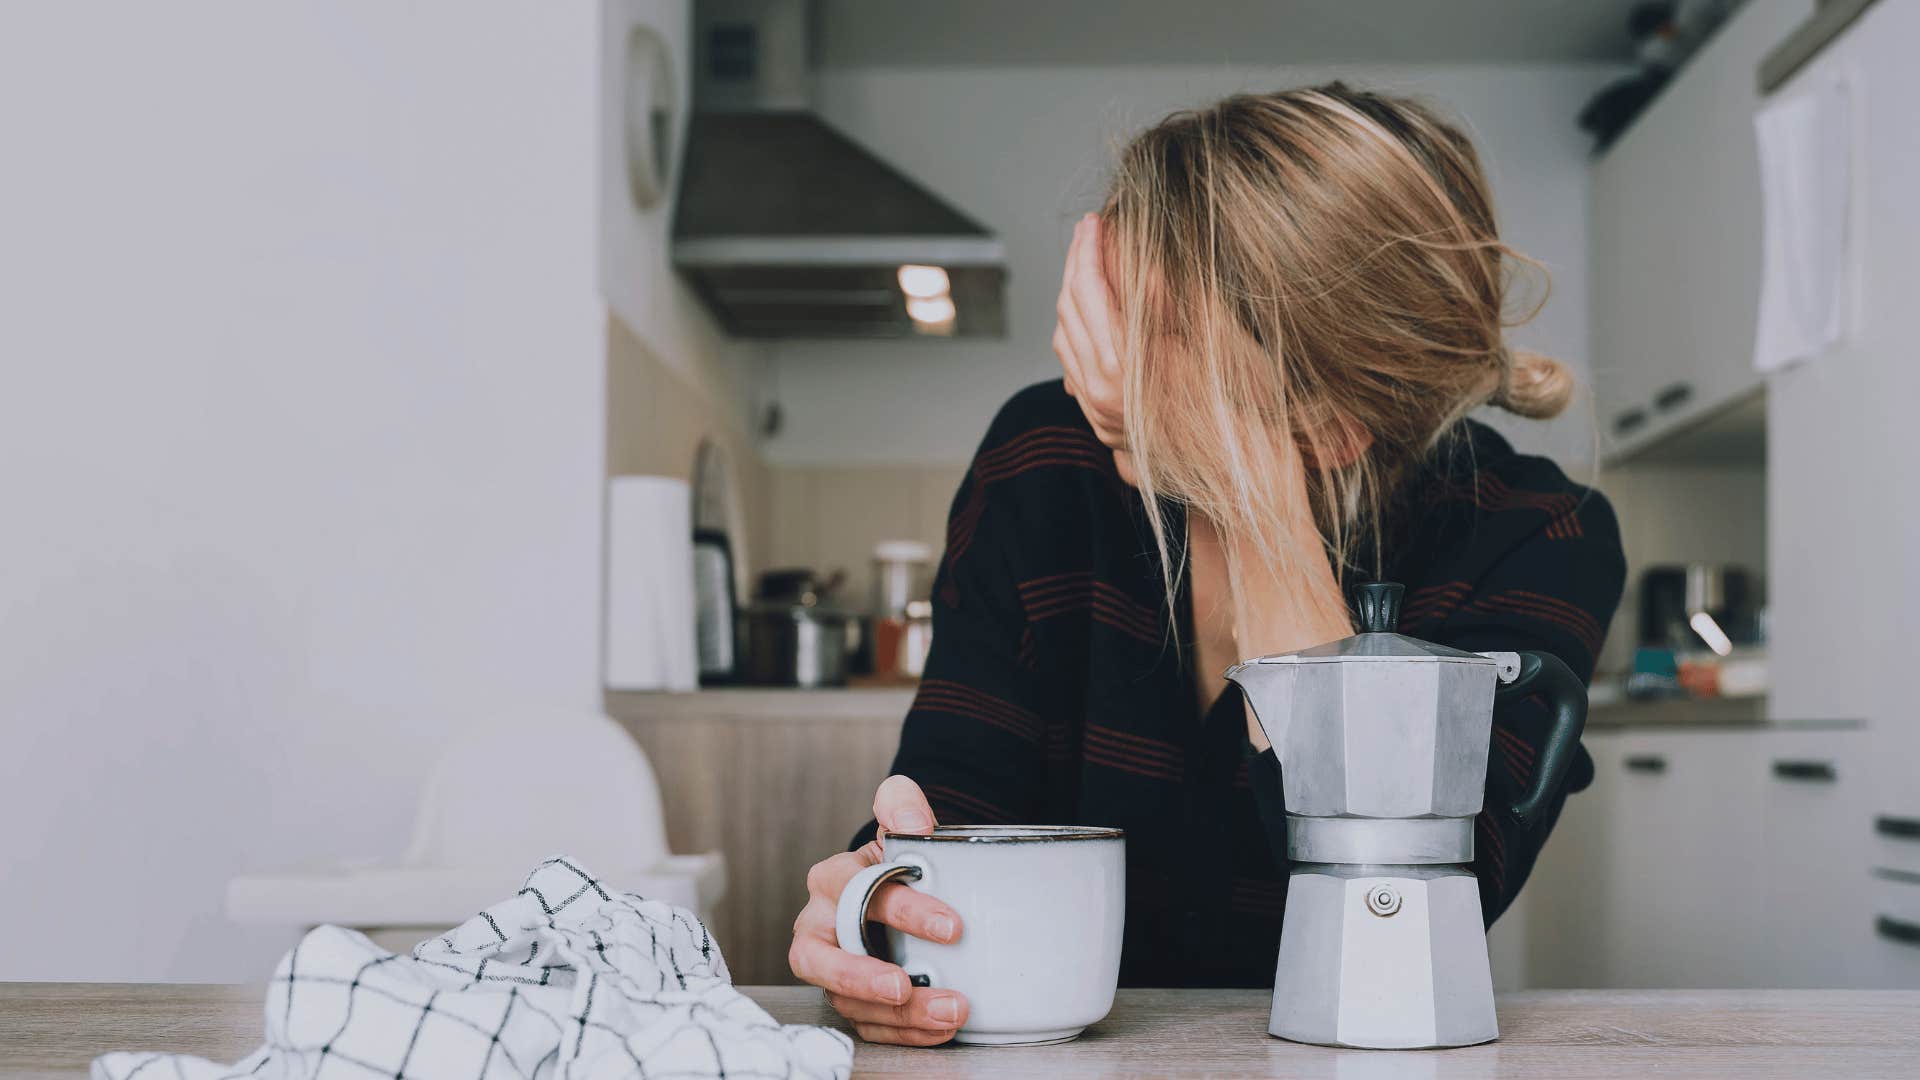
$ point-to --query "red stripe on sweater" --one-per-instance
(1040, 436)
(1518, 744)
(1496, 851)
(1042, 457)
(1583, 630)
(969, 805)
(1065, 594)
(1138, 746)
(1495, 494)
(938, 695)
(1113, 759)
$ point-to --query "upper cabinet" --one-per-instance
(1676, 241)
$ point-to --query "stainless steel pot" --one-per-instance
(791, 644)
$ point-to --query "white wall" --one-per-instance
(301, 373)
(1025, 150)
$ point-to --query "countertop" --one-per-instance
(888, 705)
(55, 1029)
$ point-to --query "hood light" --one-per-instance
(933, 310)
(924, 282)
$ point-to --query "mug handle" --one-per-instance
(850, 922)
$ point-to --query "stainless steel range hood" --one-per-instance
(787, 228)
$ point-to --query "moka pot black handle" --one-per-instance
(1546, 674)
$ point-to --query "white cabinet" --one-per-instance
(1709, 858)
(1815, 819)
(1676, 234)
(1843, 507)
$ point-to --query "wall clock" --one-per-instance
(650, 93)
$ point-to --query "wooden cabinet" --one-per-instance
(774, 779)
(1676, 241)
(1704, 858)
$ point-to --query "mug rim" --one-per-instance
(1025, 834)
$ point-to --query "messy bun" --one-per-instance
(1536, 386)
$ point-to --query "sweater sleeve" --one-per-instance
(1554, 592)
(973, 737)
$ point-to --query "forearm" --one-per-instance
(1286, 612)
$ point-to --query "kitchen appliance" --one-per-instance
(788, 228)
(1681, 606)
(1382, 742)
(715, 610)
(899, 567)
(794, 634)
(791, 644)
(902, 619)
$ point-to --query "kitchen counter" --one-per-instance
(55, 1029)
(888, 705)
(764, 703)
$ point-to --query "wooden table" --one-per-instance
(54, 1029)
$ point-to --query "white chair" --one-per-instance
(496, 803)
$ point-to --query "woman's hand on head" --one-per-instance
(1087, 337)
(875, 996)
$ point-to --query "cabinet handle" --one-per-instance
(1818, 771)
(1899, 930)
(1646, 763)
(1673, 397)
(1628, 421)
(1900, 828)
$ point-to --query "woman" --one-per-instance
(1272, 334)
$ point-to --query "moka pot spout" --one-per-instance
(1268, 690)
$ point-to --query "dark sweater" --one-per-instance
(1054, 694)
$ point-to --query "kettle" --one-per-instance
(1382, 741)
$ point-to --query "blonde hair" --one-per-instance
(1320, 266)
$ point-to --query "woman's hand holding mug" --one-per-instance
(875, 996)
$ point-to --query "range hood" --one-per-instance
(787, 228)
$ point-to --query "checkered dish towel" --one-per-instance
(567, 979)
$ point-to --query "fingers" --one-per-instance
(878, 1033)
(816, 958)
(1079, 351)
(1094, 300)
(1084, 336)
(826, 878)
(900, 807)
(1063, 346)
(915, 913)
(928, 1010)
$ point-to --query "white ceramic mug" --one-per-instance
(1041, 912)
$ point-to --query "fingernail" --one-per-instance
(941, 927)
(911, 821)
(944, 1009)
(888, 986)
